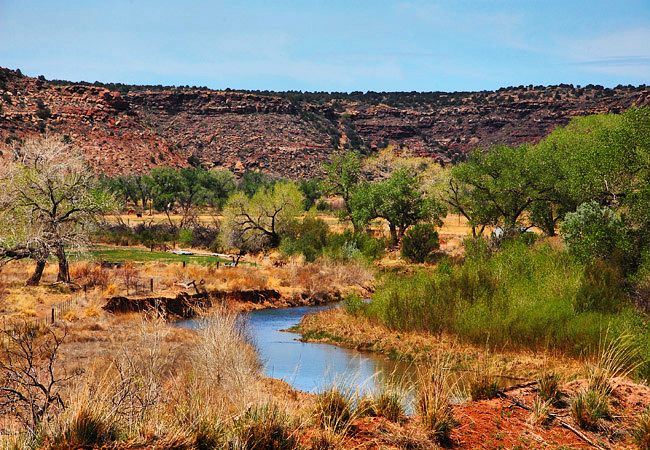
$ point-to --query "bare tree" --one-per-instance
(30, 376)
(253, 223)
(49, 202)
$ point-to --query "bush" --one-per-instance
(308, 238)
(350, 245)
(641, 432)
(185, 237)
(601, 289)
(519, 296)
(588, 407)
(593, 232)
(419, 242)
(354, 304)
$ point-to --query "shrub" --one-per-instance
(641, 432)
(334, 409)
(308, 238)
(264, 427)
(601, 289)
(592, 232)
(518, 296)
(419, 242)
(185, 237)
(350, 245)
(588, 407)
(354, 304)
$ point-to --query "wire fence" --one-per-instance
(56, 313)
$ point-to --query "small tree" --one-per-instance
(397, 200)
(342, 177)
(251, 224)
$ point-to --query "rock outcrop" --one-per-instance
(287, 134)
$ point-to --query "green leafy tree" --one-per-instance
(495, 186)
(311, 191)
(251, 182)
(342, 177)
(397, 200)
(168, 187)
(220, 184)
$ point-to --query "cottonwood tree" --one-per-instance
(342, 177)
(49, 202)
(398, 200)
(495, 186)
(251, 224)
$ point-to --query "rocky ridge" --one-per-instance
(287, 134)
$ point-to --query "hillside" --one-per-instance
(129, 129)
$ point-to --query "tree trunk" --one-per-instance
(64, 267)
(393, 234)
(35, 279)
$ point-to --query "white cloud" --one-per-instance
(621, 53)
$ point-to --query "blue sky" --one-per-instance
(330, 45)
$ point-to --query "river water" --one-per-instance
(309, 366)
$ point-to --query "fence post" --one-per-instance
(151, 283)
(183, 264)
(52, 315)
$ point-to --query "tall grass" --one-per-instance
(518, 297)
(434, 392)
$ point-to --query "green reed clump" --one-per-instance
(518, 297)
(335, 409)
(265, 427)
(641, 432)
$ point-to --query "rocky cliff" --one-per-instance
(287, 134)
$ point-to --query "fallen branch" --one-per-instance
(562, 423)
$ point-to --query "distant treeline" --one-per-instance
(399, 98)
(169, 190)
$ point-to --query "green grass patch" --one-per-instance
(143, 256)
(320, 336)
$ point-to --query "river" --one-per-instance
(310, 366)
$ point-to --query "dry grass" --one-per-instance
(434, 392)
(364, 334)
(149, 381)
(321, 280)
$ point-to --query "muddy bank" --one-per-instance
(187, 305)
